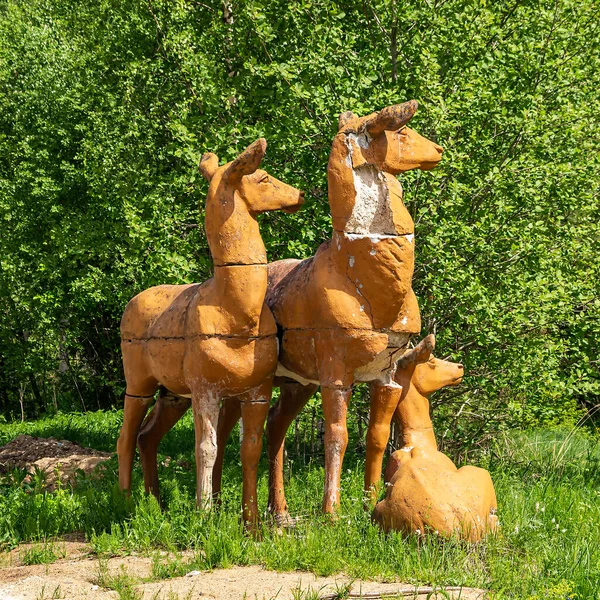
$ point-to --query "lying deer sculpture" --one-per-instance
(346, 314)
(425, 491)
(214, 340)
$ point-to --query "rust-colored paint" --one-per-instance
(209, 341)
(425, 491)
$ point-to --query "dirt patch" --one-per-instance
(56, 458)
(79, 580)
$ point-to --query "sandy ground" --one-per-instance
(75, 577)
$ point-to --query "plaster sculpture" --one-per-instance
(346, 314)
(425, 490)
(214, 340)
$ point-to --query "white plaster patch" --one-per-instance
(372, 212)
(362, 308)
(404, 320)
(407, 449)
(283, 372)
(373, 252)
(351, 261)
(410, 237)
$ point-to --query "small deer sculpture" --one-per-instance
(214, 340)
(425, 490)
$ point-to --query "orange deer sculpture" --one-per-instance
(425, 491)
(345, 315)
(214, 340)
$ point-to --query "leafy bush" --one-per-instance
(105, 108)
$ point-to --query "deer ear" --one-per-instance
(209, 163)
(345, 118)
(419, 354)
(391, 118)
(248, 161)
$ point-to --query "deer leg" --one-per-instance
(254, 406)
(134, 411)
(161, 419)
(335, 408)
(230, 414)
(205, 405)
(292, 400)
(384, 400)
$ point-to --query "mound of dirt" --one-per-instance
(57, 458)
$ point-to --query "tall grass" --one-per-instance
(547, 484)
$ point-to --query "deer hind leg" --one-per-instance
(205, 406)
(141, 387)
(161, 419)
(134, 411)
(292, 400)
(384, 400)
(255, 406)
(230, 414)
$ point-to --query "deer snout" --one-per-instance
(438, 148)
(296, 206)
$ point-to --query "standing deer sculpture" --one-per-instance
(211, 341)
(345, 315)
(425, 491)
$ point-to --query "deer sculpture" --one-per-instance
(345, 315)
(204, 343)
(425, 491)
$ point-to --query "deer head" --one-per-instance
(366, 153)
(239, 191)
(427, 374)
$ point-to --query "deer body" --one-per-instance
(214, 340)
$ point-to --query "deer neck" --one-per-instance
(240, 261)
(373, 235)
(413, 416)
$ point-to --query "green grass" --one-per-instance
(547, 483)
(42, 554)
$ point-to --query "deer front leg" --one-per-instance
(335, 408)
(384, 400)
(205, 405)
(255, 406)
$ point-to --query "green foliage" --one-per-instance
(549, 508)
(105, 108)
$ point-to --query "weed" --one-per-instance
(41, 554)
(122, 582)
(56, 594)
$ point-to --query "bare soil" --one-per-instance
(77, 577)
(56, 458)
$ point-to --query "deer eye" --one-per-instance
(264, 179)
(403, 131)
